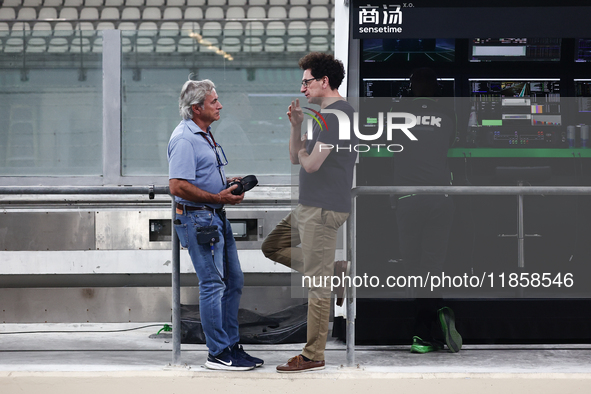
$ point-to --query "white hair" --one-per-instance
(193, 93)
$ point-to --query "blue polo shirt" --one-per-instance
(192, 157)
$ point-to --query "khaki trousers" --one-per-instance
(316, 230)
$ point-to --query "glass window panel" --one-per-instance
(255, 89)
(150, 113)
(51, 107)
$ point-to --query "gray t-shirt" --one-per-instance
(330, 187)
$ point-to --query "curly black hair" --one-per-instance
(323, 64)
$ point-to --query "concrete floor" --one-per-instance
(31, 357)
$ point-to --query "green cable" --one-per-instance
(166, 328)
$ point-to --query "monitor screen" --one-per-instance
(583, 94)
(514, 49)
(583, 50)
(408, 50)
(543, 88)
(502, 102)
(400, 87)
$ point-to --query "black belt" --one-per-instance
(192, 208)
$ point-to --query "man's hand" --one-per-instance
(188, 191)
(295, 113)
(228, 198)
(234, 178)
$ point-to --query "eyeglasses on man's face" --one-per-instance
(305, 82)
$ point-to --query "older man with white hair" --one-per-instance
(199, 184)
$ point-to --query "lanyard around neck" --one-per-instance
(214, 147)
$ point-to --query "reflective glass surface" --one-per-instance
(256, 78)
(50, 106)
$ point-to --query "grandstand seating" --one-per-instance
(165, 26)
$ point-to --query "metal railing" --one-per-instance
(151, 191)
(404, 190)
(351, 231)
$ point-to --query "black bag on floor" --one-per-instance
(286, 326)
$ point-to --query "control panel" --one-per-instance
(507, 137)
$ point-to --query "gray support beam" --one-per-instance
(341, 47)
(520, 231)
(351, 300)
(176, 293)
(475, 190)
(353, 71)
(73, 190)
(111, 107)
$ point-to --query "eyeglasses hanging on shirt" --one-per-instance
(219, 154)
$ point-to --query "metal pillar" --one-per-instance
(520, 231)
(176, 292)
(351, 300)
(111, 107)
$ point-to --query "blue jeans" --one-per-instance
(218, 299)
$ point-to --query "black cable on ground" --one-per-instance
(80, 332)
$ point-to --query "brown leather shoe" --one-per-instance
(341, 269)
(298, 364)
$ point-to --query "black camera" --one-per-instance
(244, 184)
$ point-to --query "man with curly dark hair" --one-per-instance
(322, 64)
(326, 177)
